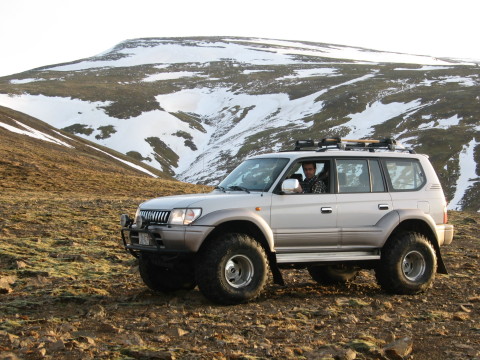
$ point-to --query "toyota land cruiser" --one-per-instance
(381, 207)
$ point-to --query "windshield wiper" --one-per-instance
(241, 188)
(220, 188)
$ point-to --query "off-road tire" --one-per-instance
(332, 274)
(165, 279)
(231, 269)
(408, 264)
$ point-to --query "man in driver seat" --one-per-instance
(312, 183)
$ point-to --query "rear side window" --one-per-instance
(359, 176)
(353, 176)
(405, 174)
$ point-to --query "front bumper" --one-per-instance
(164, 239)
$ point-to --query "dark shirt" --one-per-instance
(313, 186)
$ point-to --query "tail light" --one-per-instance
(445, 215)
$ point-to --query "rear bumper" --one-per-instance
(445, 234)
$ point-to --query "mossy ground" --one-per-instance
(76, 293)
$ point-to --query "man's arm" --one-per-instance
(319, 187)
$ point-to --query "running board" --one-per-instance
(292, 258)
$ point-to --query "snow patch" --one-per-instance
(171, 76)
(468, 174)
(59, 112)
(126, 162)
(34, 133)
(24, 81)
(168, 53)
(463, 81)
(304, 73)
(247, 72)
(442, 123)
(345, 52)
(362, 124)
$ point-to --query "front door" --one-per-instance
(306, 222)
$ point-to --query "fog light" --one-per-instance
(125, 220)
(140, 221)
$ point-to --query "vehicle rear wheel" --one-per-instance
(332, 274)
(166, 279)
(231, 269)
(408, 264)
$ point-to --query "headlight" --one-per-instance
(184, 216)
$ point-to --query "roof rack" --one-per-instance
(349, 144)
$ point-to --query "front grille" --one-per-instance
(155, 216)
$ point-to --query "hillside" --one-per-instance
(196, 107)
(34, 157)
(70, 291)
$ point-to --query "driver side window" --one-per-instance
(313, 176)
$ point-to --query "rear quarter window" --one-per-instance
(405, 174)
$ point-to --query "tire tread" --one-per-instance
(389, 274)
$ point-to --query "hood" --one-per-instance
(213, 200)
(175, 201)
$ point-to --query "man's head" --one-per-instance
(309, 169)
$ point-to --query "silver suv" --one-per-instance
(380, 206)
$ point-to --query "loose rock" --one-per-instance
(399, 349)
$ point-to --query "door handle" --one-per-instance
(383, 207)
(326, 210)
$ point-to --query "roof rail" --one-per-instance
(350, 144)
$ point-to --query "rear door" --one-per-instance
(362, 200)
(406, 178)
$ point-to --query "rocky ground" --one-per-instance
(69, 291)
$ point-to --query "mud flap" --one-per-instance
(441, 267)
(277, 275)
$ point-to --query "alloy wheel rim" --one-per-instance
(413, 265)
(239, 271)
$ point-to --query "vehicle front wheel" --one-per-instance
(231, 269)
(408, 264)
(165, 279)
(332, 274)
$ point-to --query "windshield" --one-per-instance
(254, 174)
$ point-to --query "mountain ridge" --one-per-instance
(196, 107)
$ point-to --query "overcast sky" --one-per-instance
(35, 33)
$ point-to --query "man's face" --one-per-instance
(309, 170)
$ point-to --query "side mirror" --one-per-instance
(291, 186)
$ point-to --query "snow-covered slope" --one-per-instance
(10, 124)
(196, 107)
